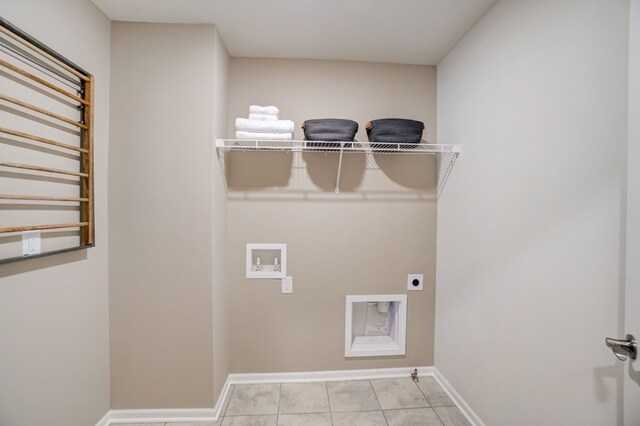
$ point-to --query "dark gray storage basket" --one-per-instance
(329, 129)
(395, 130)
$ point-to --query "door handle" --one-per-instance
(623, 348)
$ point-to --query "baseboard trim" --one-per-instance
(114, 417)
(222, 397)
(466, 409)
(105, 420)
(162, 416)
(326, 376)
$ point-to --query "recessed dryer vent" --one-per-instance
(375, 325)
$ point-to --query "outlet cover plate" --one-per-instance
(31, 243)
(287, 285)
(411, 285)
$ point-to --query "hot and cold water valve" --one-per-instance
(267, 261)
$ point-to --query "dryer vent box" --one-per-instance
(375, 325)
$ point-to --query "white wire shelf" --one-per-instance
(330, 146)
(446, 155)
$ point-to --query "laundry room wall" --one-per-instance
(54, 311)
(163, 279)
(364, 240)
(531, 225)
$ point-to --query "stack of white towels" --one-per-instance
(263, 124)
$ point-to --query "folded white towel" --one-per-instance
(257, 109)
(264, 136)
(263, 117)
(280, 126)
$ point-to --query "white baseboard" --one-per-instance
(106, 420)
(162, 416)
(224, 393)
(115, 417)
(326, 376)
(466, 409)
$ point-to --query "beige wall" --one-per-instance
(221, 355)
(359, 91)
(54, 336)
(337, 244)
(531, 224)
(160, 215)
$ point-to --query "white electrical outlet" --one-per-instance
(31, 243)
(415, 282)
(287, 285)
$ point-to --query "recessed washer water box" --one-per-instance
(266, 261)
(375, 325)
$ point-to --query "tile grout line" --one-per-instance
(326, 389)
(430, 406)
(378, 400)
(423, 394)
(331, 412)
(428, 402)
(453, 404)
(438, 416)
(278, 409)
(310, 412)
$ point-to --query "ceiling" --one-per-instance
(394, 31)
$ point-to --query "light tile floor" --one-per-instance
(384, 402)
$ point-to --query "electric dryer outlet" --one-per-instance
(415, 282)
